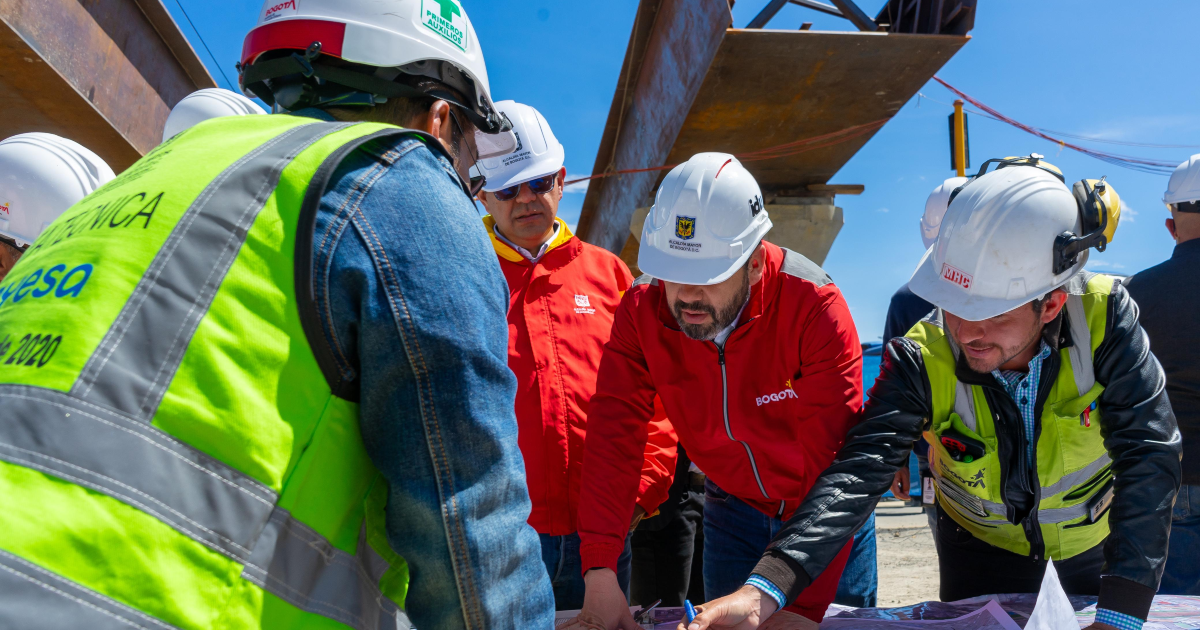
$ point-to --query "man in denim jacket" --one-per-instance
(412, 301)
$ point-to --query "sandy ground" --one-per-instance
(908, 569)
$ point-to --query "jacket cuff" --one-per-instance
(783, 572)
(1125, 596)
(599, 556)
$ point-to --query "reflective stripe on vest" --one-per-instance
(101, 434)
(210, 502)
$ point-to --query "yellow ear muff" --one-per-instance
(1099, 205)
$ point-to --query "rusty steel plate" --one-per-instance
(766, 88)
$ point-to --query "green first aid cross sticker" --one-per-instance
(446, 18)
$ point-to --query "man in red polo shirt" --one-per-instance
(563, 294)
(752, 351)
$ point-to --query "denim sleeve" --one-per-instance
(413, 304)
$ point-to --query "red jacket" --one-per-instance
(794, 387)
(560, 315)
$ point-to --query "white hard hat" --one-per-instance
(998, 244)
(41, 176)
(538, 151)
(708, 217)
(420, 39)
(1185, 182)
(205, 104)
(935, 209)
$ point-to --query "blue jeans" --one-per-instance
(859, 586)
(413, 307)
(735, 536)
(560, 554)
(1182, 575)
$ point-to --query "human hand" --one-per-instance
(639, 513)
(787, 620)
(901, 484)
(604, 604)
(746, 609)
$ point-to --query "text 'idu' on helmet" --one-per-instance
(996, 247)
(708, 218)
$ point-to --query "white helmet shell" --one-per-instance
(41, 176)
(1185, 182)
(538, 152)
(995, 251)
(935, 209)
(707, 219)
(207, 104)
(410, 35)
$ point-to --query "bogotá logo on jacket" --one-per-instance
(685, 227)
(784, 394)
(446, 18)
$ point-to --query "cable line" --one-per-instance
(205, 44)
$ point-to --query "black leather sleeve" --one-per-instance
(846, 493)
(1143, 440)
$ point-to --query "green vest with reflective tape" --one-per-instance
(173, 453)
(1071, 477)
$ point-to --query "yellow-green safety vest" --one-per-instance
(172, 454)
(1072, 472)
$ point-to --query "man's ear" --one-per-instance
(436, 122)
(1054, 305)
(562, 182)
(1171, 229)
(757, 263)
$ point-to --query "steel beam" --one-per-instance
(104, 73)
(819, 6)
(672, 47)
(851, 11)
(766, 14)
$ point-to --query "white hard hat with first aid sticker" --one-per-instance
(707, 219)
(207, 104)
(41, 176)
(433, 39)
(1011, 236)
(538, 152)
(935, 209)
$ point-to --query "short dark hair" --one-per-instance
(396, 111)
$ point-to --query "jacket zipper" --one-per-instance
(728, 430)
(1037, 544)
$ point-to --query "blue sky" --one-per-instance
(1101, 68)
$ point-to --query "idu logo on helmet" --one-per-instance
(280, 9)
(957, 276)
(446, 18)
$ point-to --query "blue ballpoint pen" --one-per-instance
(689, 610)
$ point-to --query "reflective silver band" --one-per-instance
(1077, 478)
(32, 597)
(137, 359)
(198, 496)
(136, 463)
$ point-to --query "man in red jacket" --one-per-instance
(563, 294)
(754, 356)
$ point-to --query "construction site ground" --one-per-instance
(908, 568)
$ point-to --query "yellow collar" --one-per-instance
(506, 252)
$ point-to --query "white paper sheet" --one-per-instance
(989, 617)
(1053, 610)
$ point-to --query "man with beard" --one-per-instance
(1052, 434)
(752, 351)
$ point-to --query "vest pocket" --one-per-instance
(971, 486)
(1078, 423)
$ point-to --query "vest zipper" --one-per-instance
(1037, 544)
(728, 430)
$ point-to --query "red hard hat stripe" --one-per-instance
(294, 35)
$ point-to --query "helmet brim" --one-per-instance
(699, 272)
(927, 283)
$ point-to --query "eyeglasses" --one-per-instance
(539, 186)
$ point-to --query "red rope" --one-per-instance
(787, 149)
(1136, 163)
